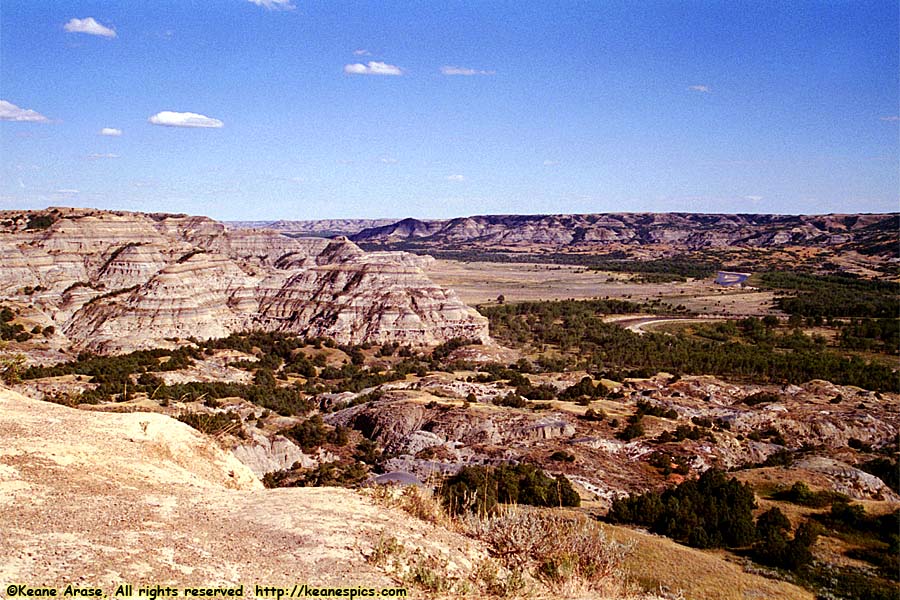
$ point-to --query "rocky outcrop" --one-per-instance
(427, 426)
(264, 455)
(405, 427)
(116, 281)
(849, 480)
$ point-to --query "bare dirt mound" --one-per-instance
(103, 499)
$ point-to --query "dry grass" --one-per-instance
(533, 552)
(542, 553)
(659, 563)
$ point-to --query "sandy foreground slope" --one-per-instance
(102, 499)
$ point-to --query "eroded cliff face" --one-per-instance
(865, 233)
(117, 281)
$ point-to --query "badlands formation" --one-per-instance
(118, 281)
(100, 499)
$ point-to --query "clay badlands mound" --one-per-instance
(117, 281)
(100, 499)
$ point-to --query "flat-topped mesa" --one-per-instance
(118, 281)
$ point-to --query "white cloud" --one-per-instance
(274, 4)
(111, 131)
(373, 67)
(551, 163)
(11, 112)
(464, 71)
(891, 118)
(456, 177)
(361, 52)
(102, 156)
(699, 88)
(168, 118)
(753, 198)
(66, 192)
(89, 26)
(388, 160)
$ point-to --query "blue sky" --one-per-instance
(327, 109)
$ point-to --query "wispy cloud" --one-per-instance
(89, 26)
(373, 67)
(551, 163)
(704, 89)
(168, 118)
(66, 192)
(101, 156)
(274, 4)
(448, 70)
(388, 160)
(753, 198)
(361, 52)
(11, 112)
(456, 177)
(891, 118)
(111, 131)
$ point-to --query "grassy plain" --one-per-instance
(482, 282)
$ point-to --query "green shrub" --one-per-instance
(760, 398)
(799, 493)
(562, 456)
(773, 546)
(511, 400)
(312, 433)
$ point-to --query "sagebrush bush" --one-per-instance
(553, 546)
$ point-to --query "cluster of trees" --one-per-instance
(776, 547)
(479, 489)
(576, 327)
(113, 373)
(41, 221)
(764, 332)
(278, 354)
(584, 389)
(714, 511)
(834, 295)
(17, 331)
(312, 433)
(870, 334)
(332, 474)
(710, 512)
(878, 335)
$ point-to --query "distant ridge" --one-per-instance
(867, 234)
(320, 227)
